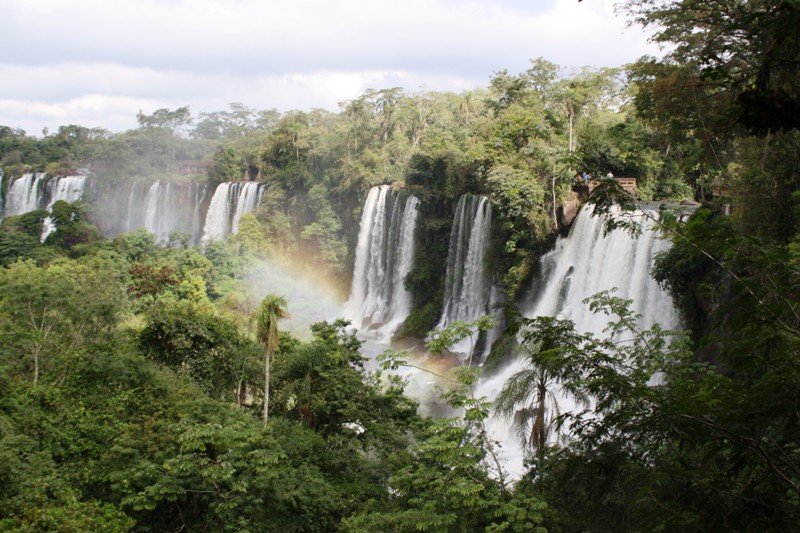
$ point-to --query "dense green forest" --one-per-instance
(142, 388)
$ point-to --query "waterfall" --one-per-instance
(66, 188)
(246, 202)
(468, 295)
(153, 203)
(162, 212)
(582, 264)
(25, 194)
(130, 222)
(2, 196)
(198, 199)
(230, 201)
(588, 262)
(163, 208)
(378, 299)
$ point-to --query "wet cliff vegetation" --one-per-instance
(132, 378)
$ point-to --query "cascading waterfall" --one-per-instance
(199, 197)
(589, 262)
(230, 201)
(162, 208)
(162, 215)
(130, 223)
(581, 265)
(246, 202)
(153, 202)
(378, 299)
(66, 188)
(25, 194)
(468, 295)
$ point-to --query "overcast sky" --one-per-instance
(96, 63)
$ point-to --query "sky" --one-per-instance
(97, 63)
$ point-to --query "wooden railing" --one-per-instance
(628, 184)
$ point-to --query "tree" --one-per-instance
(728, 90)
(71, 227)
(271, 310)
(165, 118)
(454, 481)
(146, 280)
(529, 395)
(196, 342)
(584, 94)
(747, 48)
(47, 314)
(708, 447)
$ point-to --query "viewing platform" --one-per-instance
(188, 167)
(628, 184)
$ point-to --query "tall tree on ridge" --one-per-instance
(272, 309)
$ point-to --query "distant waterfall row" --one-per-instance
(581, 265)
(168, 208)
(378, 299)
(34, 191)
(161, 207)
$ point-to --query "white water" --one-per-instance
(129, 223)
(199, 198)
(24, 194)
(163, 208)
(66, 188)
(246, 202)
(218, 214)
(153, 202)
(581, 265)
(231, 200)
(468, 295)
(378, 299)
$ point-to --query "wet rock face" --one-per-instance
(568, 211)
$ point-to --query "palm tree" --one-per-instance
(272, 309)
(529, 395)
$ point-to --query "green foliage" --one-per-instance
(71, 227)
(455, 482)
(729, 49)
(324, 231)
(165, 118)
(657, 456)
(228, 165)
(518, 196)
(46, 313)
(441, 340)
(200, 344)
(29, 223)
(15, 245)
(146, 280)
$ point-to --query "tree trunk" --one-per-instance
(266, 386)
(571, 142)
(553, 188)
(36, 365)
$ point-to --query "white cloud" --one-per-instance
(287, 55)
